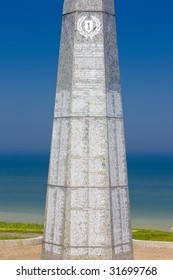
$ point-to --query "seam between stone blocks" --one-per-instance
(90, 117)
(91, 247)
(91, 11)
(86, 187)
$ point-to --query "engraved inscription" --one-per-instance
(88, 95)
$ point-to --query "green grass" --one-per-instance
(11, 237)
(152, 235)
(20, 228)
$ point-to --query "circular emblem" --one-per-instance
(88, 27)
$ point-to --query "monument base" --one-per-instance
(85, 253)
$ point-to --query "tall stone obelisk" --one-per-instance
(87, 212)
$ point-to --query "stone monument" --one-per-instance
(87, 209)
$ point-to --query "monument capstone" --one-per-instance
(87, 208)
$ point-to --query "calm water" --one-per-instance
(23, 180)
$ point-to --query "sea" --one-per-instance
(23, 184)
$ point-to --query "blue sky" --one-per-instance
(29, 45)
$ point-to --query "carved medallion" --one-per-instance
(88, 27)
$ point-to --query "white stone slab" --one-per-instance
(59, 153)
(78, 252)
(99, 198)
(48, 247)
(79, 137)
(59, 216)
(62, 104)
(127, 248)
(78, 228)
(50, 219)
(113, 154)
(99, 228)
(57, 250)
(114, 104)
(55, 215)
(79, 198)
(79, 172)
(118, 250)
(122, 168)
(120, 216)
(98, 137)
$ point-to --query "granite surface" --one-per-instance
(88, 5)
(87, 208)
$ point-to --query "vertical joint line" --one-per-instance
(106, 97)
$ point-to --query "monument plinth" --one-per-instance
(87, 211)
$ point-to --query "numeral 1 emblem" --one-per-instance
(89, 25)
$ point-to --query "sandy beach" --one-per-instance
(34, 253)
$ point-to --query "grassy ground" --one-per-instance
(21, 228)
(11, 237)
(152, 235)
